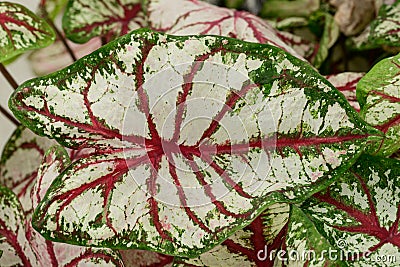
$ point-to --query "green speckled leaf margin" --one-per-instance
(85, 19)
(378, 93)
(303, 136)
(21, 30)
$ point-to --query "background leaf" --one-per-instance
(21, 30)
(108, 19)
(20, 161)
(383, 30)
(346, 83)
(16, 250)
(359, 213)
(180, 17)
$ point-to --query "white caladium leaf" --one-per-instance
(56, 57)
(197, 131)
(145, 258)
(180, 17)
(16, 250)
(21, 30)
(108, 19)
(359, 214)
(20, 161)
(55, 160)
(379, 95)
(383, 30)
(346, 83)
(24, 246)
(50, 253)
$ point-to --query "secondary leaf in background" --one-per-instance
(352, 223)
(51, 8)
(289, 8)
(16, 250)
(108, 19)
(21, 30)
(378, 93)
(56, 57)
(360, 212)
(20, 161)
(179, 17)
(247, 247)
(352, 16)
(384, 30)
(330, 34)
(346, 83)
(28, 245)
(280, 236)
(304, 48)
(293, 124)
(59, 254)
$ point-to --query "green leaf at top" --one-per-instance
(378, 93)
(21, 30)
(194, 137)
(85, 19)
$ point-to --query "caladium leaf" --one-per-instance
(20, 161)
(384, 30)
(56, 57)
(51, 8)
(108, 19)
(21, 30)
(16, 250)
(346, 83)
(53, 163)
(360, 212)
(289, 8)
(352, 223)
(145, 258)
(281, 236)
(195, 176)
(379, 95)
(329, 36)
(50, 253)
(303, 47)
(29, 247)
(181, 17)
